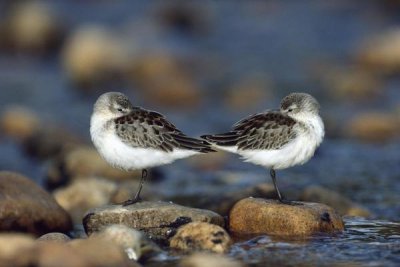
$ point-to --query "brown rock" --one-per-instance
(27, 207)
(340, 203)
(262, 216)
(93, 55)
(133, 242)
(210, 260)
(84, 194)
(157, 219)
(11, 244)
(54, 237)
(19, 122)
(374, 127)
(381, 53)
(164, 81)
(31, 27)
(85, 161)
(201, 236)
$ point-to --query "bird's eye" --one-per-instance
(290, 110)
(120, 109)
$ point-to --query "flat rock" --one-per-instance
(159, 220)
(201, 236)
(26, 207)
(339, 202)
(54, 237)
(262, 216)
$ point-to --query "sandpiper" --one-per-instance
(276, 139)
(132, 138)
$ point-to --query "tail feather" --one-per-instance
(225, 139)
(193, 144)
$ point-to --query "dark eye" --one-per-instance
(120, 109)
(290, 110)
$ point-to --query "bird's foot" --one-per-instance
(290, 202)
(131, 201)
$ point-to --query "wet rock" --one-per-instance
(249, 92)
(374, 127)
(340, 203)
(19, 122)
(28, 208)
(133, 242)
(164, 81)
(84, 161)
(54, 237)
(94, 55)
(201, 236)
(11, 244)
(84, 194)
(381, 53)
(201, 259)
(159, 220)
(31, 27)
(262, 216)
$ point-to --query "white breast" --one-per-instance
(123, 156)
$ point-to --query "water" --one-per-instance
(281, 40)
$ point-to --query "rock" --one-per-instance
(201, 259)
(84, 194)
(133, 242)
(159, 220)
(11, 244)
(201, 236)
(54, 237)
(249, 92)
(374, 127)
(50, 142)
(19, 122)
(381, 53)
(164, 81)
(28, 208)
(94, 55)
(340, 203)
(352, 84)
(262, 216)
(98, 252)
(84, 161)
(31, 27)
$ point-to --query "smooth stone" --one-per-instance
(201, 259)
(11, 244)
(159, 220)
(54, 237)
(264, 216)
(201, 236)
(337, 201)
(374, 127)
(84, 194)
(26, 207)
(132, 241)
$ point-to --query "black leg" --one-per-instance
(137, 196)
(273, 176)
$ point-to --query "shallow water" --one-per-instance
(283, 40)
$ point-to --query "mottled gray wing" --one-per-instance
(149, 129)
(268, 130)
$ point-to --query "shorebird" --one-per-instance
(276, 139)
(133, 138)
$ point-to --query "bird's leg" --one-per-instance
(137, 196)
(273, 176)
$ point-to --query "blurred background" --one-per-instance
(205, 65)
